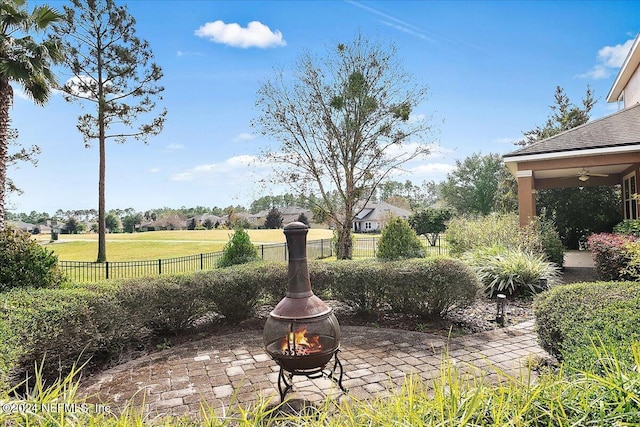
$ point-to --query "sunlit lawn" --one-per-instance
(158, 244)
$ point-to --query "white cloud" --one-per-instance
(243, 137)
(609, 60)
(432, 169)
(181, 53)
(255, 34)
(238, 167)
(83, 87)
(614, 56)
(154, 170)
(418, 172)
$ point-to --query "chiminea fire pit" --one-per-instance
(302, 334)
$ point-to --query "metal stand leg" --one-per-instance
(285, 381)
(331, 376)
(288, 385)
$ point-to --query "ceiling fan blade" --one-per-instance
(599, 174)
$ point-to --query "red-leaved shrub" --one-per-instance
(610, 254)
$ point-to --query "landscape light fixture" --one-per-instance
(500, 299)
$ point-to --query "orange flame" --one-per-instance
(299, 344)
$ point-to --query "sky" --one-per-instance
(491, 67)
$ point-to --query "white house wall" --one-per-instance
(632, 89)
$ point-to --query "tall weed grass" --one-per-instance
(458, 397)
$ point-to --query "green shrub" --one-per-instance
(426, 287)
(467, 234)
(275, 278)
(61, 327)
(171, 303)
(234, 291)
(551, 242)
(504, 230)
(24, 263)
(238, 250)
(430, 287)
(632, 269)
(361, 284)
(98, 321)
(512, 272)
(399, 241)
(629, 227)
(571, 318)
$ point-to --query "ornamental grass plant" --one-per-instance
(459, 396)
(512, 272)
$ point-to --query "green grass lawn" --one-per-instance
(158, 244)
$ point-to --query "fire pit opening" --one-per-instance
(302, 334)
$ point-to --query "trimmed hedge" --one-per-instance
(59, 328)
(99, 321)
(570, 319)
(361, 284)
(429, 288)
(235, 292)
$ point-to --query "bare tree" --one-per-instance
(344, 124)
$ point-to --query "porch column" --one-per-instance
(526, 196)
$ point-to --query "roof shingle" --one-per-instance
(617, 129)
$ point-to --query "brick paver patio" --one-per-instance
(235, 368)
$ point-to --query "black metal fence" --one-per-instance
(84, 271)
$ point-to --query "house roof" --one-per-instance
(25, 226)
(629, 65)
(615, 132)
(377, 211)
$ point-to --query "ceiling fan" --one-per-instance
(584, 175)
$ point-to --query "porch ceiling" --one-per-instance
(566, 173)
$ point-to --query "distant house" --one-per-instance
(292, 213)
(289, 214)
(602, 152)
(373, 216)
(202, 220)
(24, 226)
(30, 228)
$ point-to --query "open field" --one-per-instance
(158, 244)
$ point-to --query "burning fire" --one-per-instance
(299, 344)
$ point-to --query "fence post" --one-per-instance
(201, 262)
(107, 269)
(262, 250)
(160, 266)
